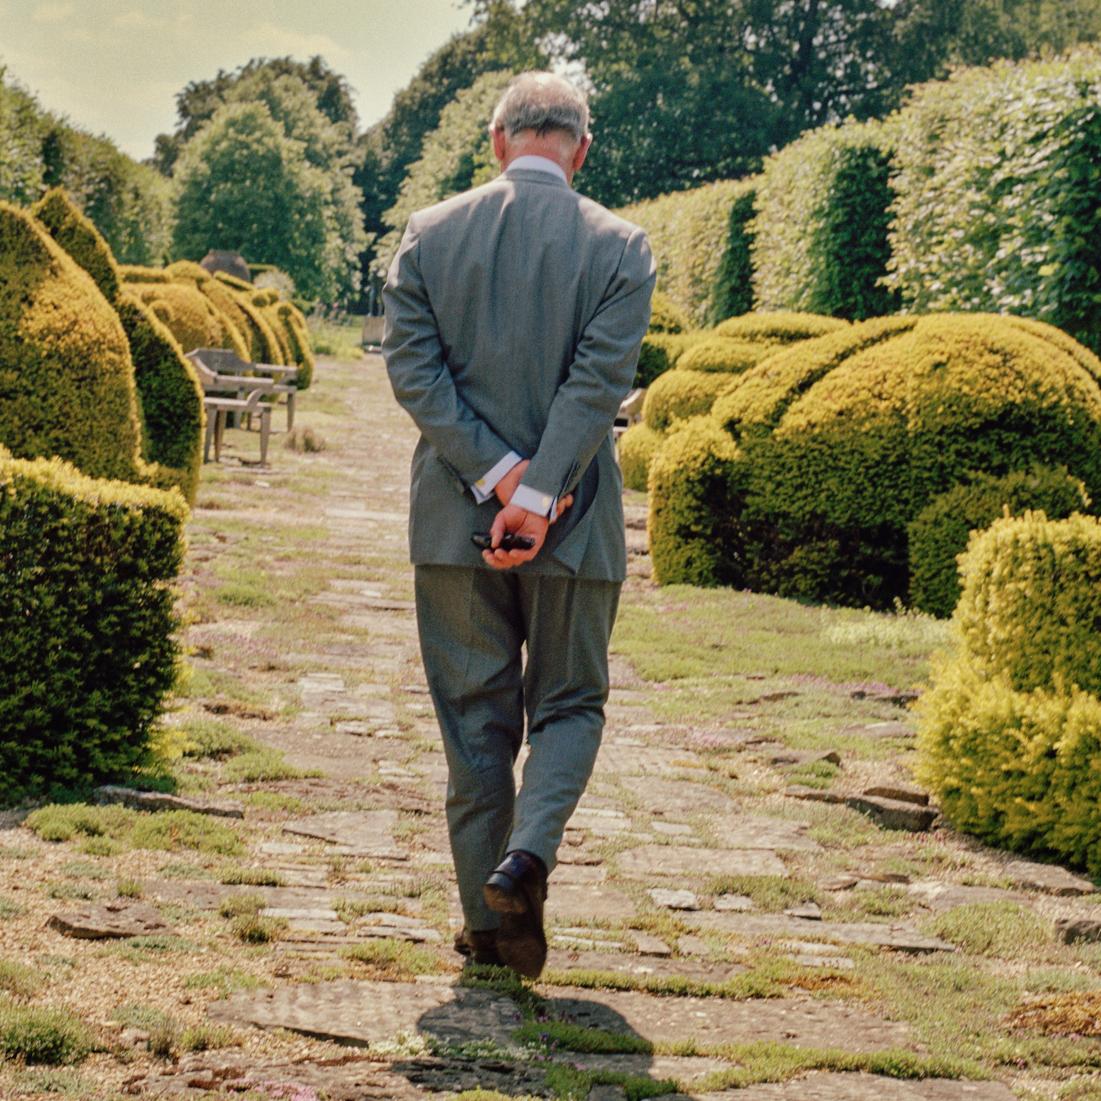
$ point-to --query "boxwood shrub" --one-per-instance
(820, 232)
(1010, 733)
(171, 399)
(297, 338)
(659, 353)
(86, 614)
(666, 316)
(722, 356)
(939, 533)
(779, 328)
(678, 395)
(79, 238)
(701, 247)
(637, 447)
(996, 194)
(66, 382)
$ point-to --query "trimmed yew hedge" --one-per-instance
(637, 448)
(678, 395)
(820, 233)
(1010, 733)
(79, 238)
(86, 614)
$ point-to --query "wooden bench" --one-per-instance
(224, 362)
(630, 412)
(225, 395)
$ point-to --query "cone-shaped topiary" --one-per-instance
(778, 328)
(678, 395)
(79, 238)
(848, 437)
(666, 316)
(170, 395)
(722, 355)
(637, 448)
(66, 382)
(939, 533)
(1010, 733)
(86, 614)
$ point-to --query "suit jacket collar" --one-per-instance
(534, 176)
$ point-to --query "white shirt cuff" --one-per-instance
(531, 500)
(483, 488)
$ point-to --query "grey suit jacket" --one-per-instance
(514, 315)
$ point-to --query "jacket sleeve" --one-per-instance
(603, 368)
(420, 377)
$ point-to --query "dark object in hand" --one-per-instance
(509, 541)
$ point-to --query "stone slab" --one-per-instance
(679, 1068)
(947, 896)
(1048, 878)
(110, 921)
(801, 1022)
(683, 860)
(373, 1012)
(902, 938)
(560, 962)
(568, 902)
(160, 800)
(760, 832)
(894, 814)
(367, 833)
(1073, 930)
(830, 1086)
(895, 789)
(674, 900)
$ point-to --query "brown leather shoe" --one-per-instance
(517, 890)
(479, 946)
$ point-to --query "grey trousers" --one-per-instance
(473, 626)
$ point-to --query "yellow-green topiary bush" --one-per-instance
(87, 618)
(171, 398)
(659, 353)
(1010, 733)
(695, 487)
(637, 447)
(220, 297)
(66, 382)
(193, 319)
(135, 273)
(297, 337)
(939, 533)
(666, 316)
(677, 395)
(722, 356)
(849, 436)
(79, 238)
(778, 329)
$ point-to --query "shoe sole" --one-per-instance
(522, 948)
(502, 897)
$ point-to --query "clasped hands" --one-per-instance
(518, 520)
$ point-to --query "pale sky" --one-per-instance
(115, 66)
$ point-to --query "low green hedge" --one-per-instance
(720, 355)
(778, 328)
(666, 316)
(637, 448)
(1010, 733)
(659, 353)
(939, 533)
(66, 382)
(820, 232)
(695, 494)
(678, 395)
(701, 246)
(87, 618)
(171, 398)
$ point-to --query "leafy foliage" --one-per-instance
(79, 238)
(636, 449)
(87, 616)
(677, 395)
(820, 233)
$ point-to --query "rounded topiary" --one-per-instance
(87, 617)
(666, 316)
(677, 395)
(135, 273)
(297, 336)
(220, 297)
(659, 353)
(1031, 605)
(66, 382)
(637, 447)
(939, 533)
(695, 488)
(722, 356)
(193, 319)
(79, 238)
(778, 329)
(171, 398)
(1010, 733)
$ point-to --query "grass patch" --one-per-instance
(33, 1034)
(168, 830)
(1077, 1014)
(1001, 930)
(771, 893)
(18, 979)
(571, 1037)
(340, 339)
(224, 981)
(213, 739)
(9, 907)
(255, 929)
(129, 888)
(252, 877)
(263, 764)
(168, 1038)
(396, 959)
(240, 905)
(275, 801)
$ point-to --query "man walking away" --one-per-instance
(514, 315)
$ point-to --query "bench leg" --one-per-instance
(265, 432)
(219, 433)
(208, 435)
(290, 411)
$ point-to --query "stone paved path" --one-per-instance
(697, 909)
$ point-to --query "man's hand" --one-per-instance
(506, 487)
(521, 522)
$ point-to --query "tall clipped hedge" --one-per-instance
(1010, 733)
(996, 194)
(192, 318)
(79, 238)
(171, 398)
(86, 614)
(820, 232)
(847, 438)
(701, 245)
(66, 382)
(296, 335)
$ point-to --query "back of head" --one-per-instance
(542, 102)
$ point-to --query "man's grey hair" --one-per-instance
(542, 102)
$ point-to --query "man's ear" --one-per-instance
(582, 153)
(497, 133)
